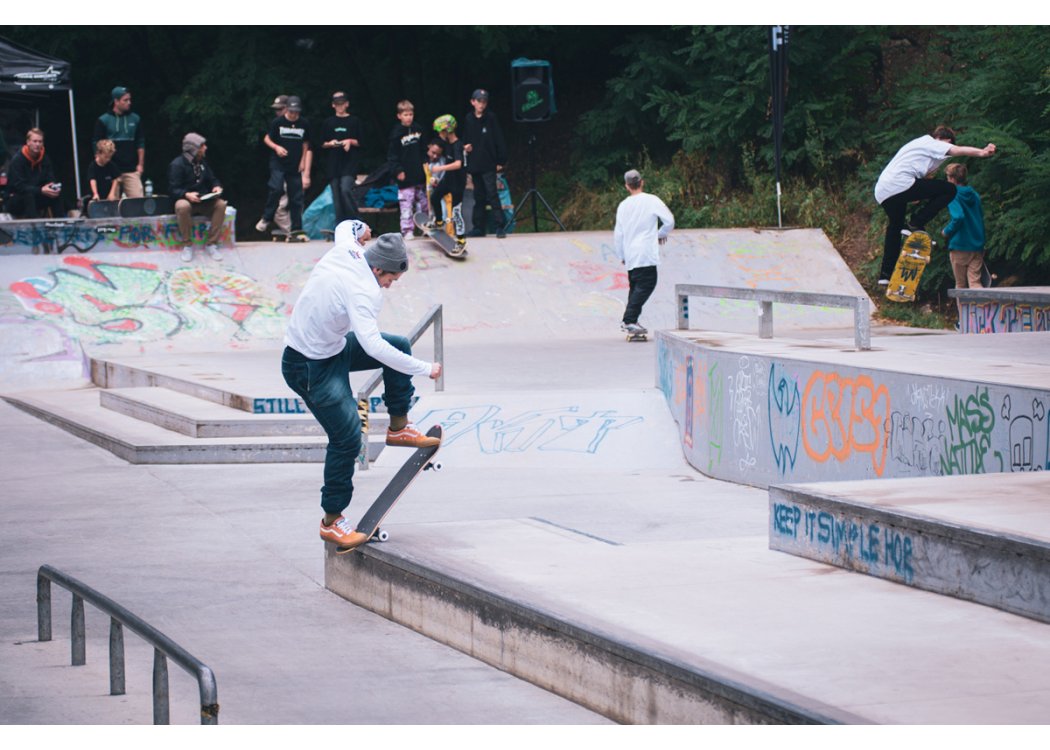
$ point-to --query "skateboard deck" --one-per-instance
(440, 237)
(103, 209)
(420, 460)
(279, 235)
(637, 337)
(986, 276)
(914, 257)
(153, 206)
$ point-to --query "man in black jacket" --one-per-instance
(196, 192)
(486, 153)
(32, 180)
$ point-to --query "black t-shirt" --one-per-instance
(103, 177)
(342, 163)
(293, 136)
(456, 178)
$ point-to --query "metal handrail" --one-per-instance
(436, 318)
(766, 297)
(163, 647)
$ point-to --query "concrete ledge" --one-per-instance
(623, 681)
(980, 539)
(1003, 309)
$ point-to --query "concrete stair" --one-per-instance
(980, 538)
(157, 418)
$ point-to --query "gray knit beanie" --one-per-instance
(388, 253)
(191, 144)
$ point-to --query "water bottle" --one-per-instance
(149, 188)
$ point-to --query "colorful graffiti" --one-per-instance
(1004, 317)
(101, 302)
(103, 235)
(842, 416)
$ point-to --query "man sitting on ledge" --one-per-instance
(32, 180)
(196, 191)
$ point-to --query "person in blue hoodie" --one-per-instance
(965, 232)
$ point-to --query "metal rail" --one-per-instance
(436, 318)
(766, 297)
(163, 647)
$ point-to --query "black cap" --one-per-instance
(295, 104)
(340, 96)
(480, 94)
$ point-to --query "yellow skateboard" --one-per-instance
(914, 257)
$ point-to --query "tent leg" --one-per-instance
(76, 156)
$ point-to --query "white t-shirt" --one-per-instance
(915, 160)
(343, 295)
(635, 238)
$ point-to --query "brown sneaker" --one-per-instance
(342, 534)
(409, 436)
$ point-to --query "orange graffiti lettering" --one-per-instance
(842, 416)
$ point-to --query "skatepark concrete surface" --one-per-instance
(563, 492)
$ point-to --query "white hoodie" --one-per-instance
(343, 295)
(636, 239)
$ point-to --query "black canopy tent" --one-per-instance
(28, 77)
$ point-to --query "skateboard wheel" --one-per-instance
(382, 535)
(435, 466)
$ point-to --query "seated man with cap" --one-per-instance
(333, 331)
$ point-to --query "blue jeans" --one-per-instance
(324, 386)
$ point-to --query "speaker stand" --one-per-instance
(535, 194)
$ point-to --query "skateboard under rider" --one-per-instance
(279, 235)
(442, 238)
(420, 460)
(914, 257)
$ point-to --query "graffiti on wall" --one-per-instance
(101, 302)
(843, 416)
(854, 543)
(567, 429)
(785, 417)
(1004, 317)
(102, 235)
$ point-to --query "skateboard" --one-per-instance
(328, 234)
(421, 460)
(279, 235)
(637, 337)
(153, 206)
(914, 257)
(103, 209)
(440, 237)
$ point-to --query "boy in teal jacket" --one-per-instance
(965, 232)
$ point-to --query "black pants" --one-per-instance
(30, 204)
(937, 194)
(343, 198)
(486, 193)
(279, 179)
(642, 283)
(437, 198)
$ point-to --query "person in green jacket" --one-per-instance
(965, 232)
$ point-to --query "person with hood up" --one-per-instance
(196, 192)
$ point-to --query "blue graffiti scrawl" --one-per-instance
(785, 415)
(564, 429)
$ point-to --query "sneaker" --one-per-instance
(884, 282)
(214, 251)
(342, 534)
(409, 436)
(634, 329)
(187, 254)
(262, 225)
(501, 233)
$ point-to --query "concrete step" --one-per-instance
(982, 538)
(192, 416)
(80, 413)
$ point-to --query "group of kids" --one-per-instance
(423, 166)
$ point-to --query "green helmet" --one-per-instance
(445, 123)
